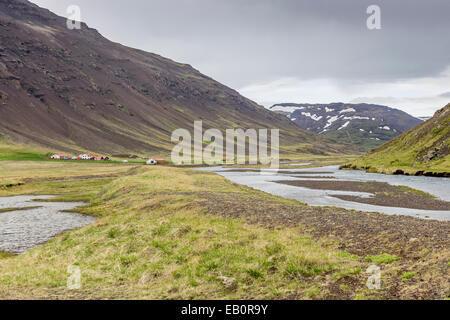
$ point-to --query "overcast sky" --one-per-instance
(275, 51)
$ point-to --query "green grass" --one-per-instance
(345, 254)
(382, 258)
(407, 275)
(11, 153)
(25, 172)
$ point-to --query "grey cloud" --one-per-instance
(240, 42)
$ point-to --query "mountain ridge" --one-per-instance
(367, 125)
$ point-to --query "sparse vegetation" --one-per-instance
(17, 209)
(382, 258)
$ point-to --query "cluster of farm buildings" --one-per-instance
(85, 156)
(89, 156)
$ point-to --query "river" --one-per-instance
(22, 230)
(265, 181)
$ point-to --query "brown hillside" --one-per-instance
(75, 90)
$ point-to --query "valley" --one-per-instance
(127, 175)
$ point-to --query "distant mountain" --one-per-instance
(424, 150)
(366, 125)
(73, 90)
(424, 118)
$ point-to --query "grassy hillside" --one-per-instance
(422, 150)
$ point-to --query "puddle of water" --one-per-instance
(21, 231)
(265, 182)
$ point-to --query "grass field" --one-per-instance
(9, 152)
(156, 238)
(152, 241)
(15, 172)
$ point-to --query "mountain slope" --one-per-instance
(365, 125)
(422, 150)
(74, 90)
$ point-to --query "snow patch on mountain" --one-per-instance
(330, 121)
(347, 110)
(344, 125)
(312, 116)
(286, 109)
(355, 123)
(356, 117)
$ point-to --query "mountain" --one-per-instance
(72, 90)
(366, 125)
(423, 150)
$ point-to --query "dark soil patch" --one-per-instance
(384, 194)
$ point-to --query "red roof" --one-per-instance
(158, 159)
